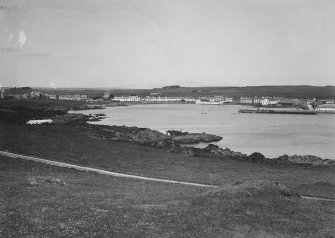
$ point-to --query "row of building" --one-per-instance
(269, 101)
(164, 99)
(264, 101)
(21, 95)
(28, 93)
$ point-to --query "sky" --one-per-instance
(154, 43)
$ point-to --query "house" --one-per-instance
(327, 101)
(127, 98)
(258, 100)
(290, 101)
(228, 99)
(106, 95)
(221, 99)
(309, 101)
(274, 101)
(190, 100)
(2, 93)
(246, 100)
(73, 97)
(52, 96)
(265, 102)
(64, 97)
(326, 108)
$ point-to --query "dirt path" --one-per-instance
(122, 175)
(82, 168)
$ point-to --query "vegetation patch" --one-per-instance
(254, 188)
(39, 181)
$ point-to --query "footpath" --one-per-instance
(122, 175)
(100, 171)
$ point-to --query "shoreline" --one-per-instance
(235, 148)
(173, 141)
(250, 192)
(152, 138)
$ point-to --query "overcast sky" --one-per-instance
(153, 43)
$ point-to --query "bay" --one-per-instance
(270, 134)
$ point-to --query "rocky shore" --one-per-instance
(179, 137)
(256, 157)
(172, 141)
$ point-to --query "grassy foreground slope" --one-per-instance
(77, 145)
(43, 201)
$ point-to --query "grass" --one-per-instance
(93, 205)
(78, 146)
(90, 205)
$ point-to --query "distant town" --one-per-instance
(27, 93)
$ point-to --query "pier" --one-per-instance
(271, 111)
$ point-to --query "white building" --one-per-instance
(265, 102)
(2, 93)
(164, 99)
(189, 100)
(269, 101)
(326, 108)
(52, 96)
(246, 100)
(73, 97)
(126, 99)
(227, 99)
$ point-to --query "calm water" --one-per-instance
(272, 135)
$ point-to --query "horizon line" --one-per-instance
(126, 88)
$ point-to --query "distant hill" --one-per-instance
(299, 91)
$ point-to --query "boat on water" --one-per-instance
(272, 111)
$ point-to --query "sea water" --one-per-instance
(270, 134)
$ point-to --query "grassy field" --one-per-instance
(77, 145)
(92, 205)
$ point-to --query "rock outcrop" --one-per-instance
(70, 118)
(213, 151)
(194, 138)
(172, 143)
(309, 160)
(152, 137)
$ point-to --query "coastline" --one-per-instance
(250, 192)
(173, 141)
